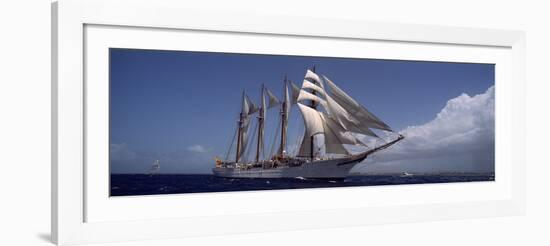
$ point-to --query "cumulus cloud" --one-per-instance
(460, 138)
(196, 148)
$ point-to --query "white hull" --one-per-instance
(321, 169)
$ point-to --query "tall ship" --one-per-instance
(331, 142)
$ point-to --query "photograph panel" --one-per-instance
(188, 122)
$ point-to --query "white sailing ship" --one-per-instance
(155, 168)
(333, 123)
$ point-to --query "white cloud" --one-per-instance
(121, 152)
(197, 148)
(463, 128)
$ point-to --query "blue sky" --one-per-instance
(181, 107)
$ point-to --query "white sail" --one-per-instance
(287, 101)
(335, 110)
(311, 81)
(311, 76)
(304, 95)
(347, 121)
(245, 107)
(244, 132)
(261, 120)
(365, 117)
(248, 107)
(335, 137)
(318, 123)
(285, 113)
(273, 101)
(341, 135)
(313, 125)
(339, 122)
(340, 114)
(308, 85)
(263, 106)
(312, 120)
(305, 147)
(295, 92)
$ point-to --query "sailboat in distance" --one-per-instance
(332, 120)
(155, 168)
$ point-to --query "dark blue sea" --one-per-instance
(142, 184)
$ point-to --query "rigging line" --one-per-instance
(295, 129)
(249, 138)
(299, 139)
(231, 145)
(234, 135)
(360, 139)
(269, 145)
(379, 142)
(244, 143)
(245, 152)
(262, 144)
(274, 138)
(290, 131)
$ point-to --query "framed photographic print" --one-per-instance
(168, 124)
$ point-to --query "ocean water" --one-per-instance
(142, 184)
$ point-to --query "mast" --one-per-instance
(313, 106)
(284, 112)
(261, 116)
(239, 133)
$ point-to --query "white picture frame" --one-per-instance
(82, 213)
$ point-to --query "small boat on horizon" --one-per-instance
(406, 174)
(155, 168)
